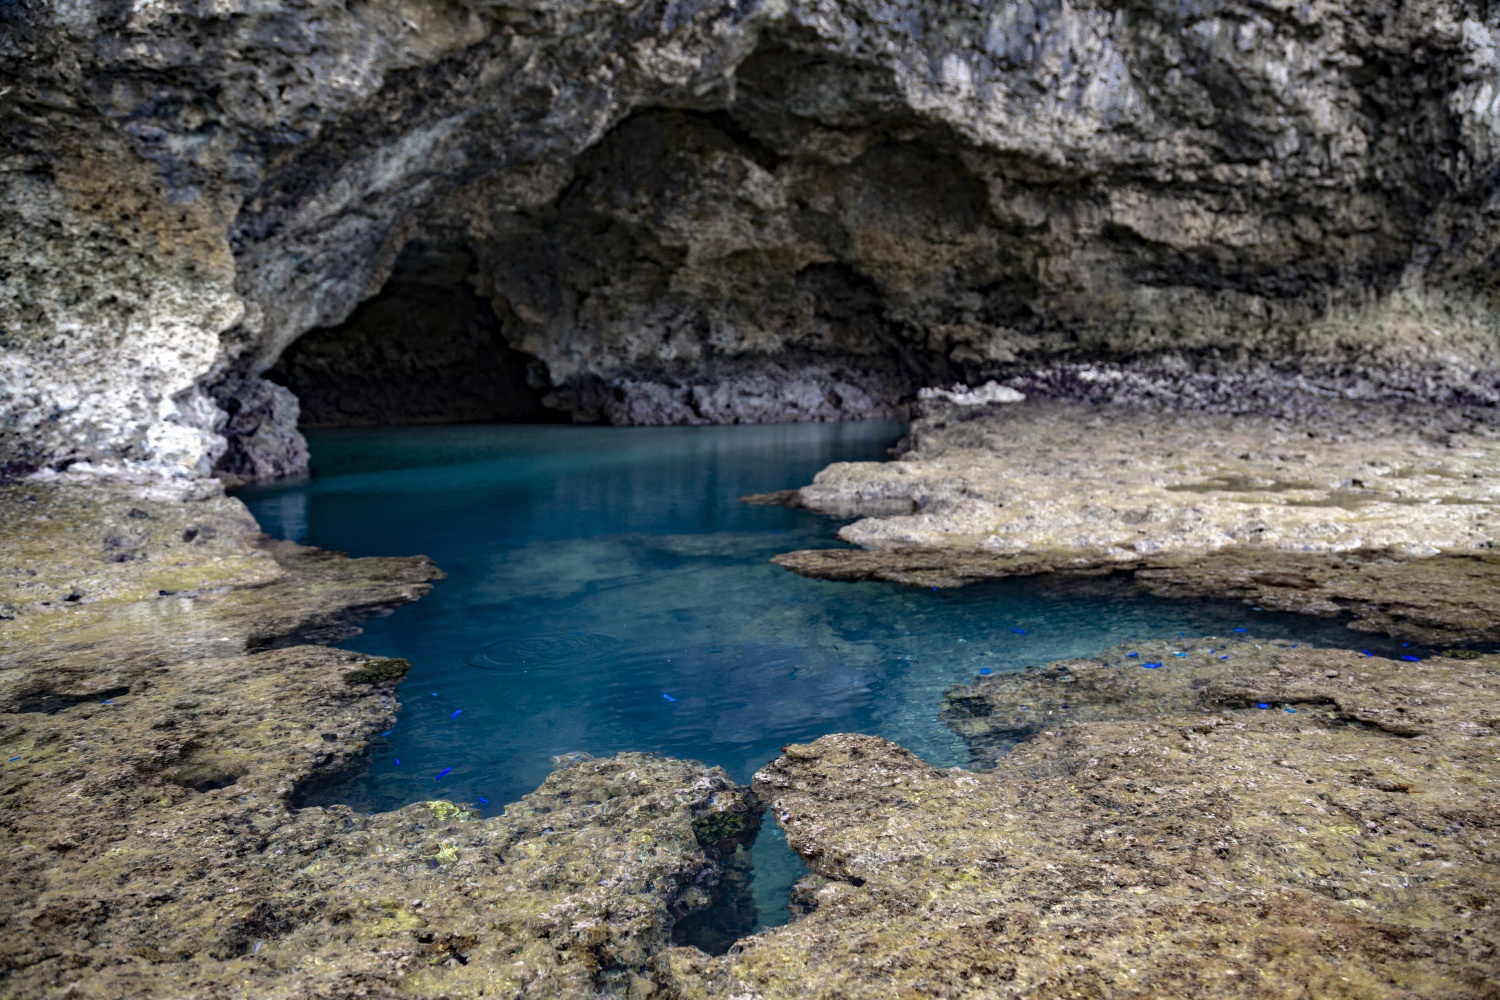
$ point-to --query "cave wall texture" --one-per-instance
(688, 211)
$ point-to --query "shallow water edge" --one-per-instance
(608, 590)
(177, 792)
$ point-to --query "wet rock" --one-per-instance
(381, 671)
(1148, 680)
(1162, 837)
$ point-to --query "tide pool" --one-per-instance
(606, 590)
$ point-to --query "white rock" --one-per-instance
(962, 395)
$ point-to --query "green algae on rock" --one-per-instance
(384, 670)
(1176, 840)
(160, 720)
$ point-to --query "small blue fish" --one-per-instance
(1240, 630)
(985, 671)
(1413, 659)
(1223, 657)
(12, 760)
(434, 694)
(1367, 652)
(398, 761)
(456, 714)
(1179, 654)
(668, 697)
(108, 701)
(1405, 644)
(485, 801)
(1296, 644)
(1292, 711)
(1132, 655)
(1150, 666)
(441, 773)
(934, 588)
(1019, 631)
(1262, 705)
(387, 732)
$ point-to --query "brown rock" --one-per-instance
(1161, 839)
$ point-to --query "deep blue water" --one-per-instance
(607, 591)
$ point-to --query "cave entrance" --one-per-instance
(427, 349)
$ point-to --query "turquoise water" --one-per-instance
(607, 591)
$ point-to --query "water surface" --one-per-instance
(607, 591)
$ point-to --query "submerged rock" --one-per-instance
(1162, 836)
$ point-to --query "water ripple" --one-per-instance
(572, 649)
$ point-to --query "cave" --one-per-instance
(759, 499)
(424, 349)
(777, 222)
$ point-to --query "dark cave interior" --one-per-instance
(425, 349)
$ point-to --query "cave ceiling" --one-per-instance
(691, 212)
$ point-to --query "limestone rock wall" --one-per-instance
(687, 211)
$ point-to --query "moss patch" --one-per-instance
(386, 670)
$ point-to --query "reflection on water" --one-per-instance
(607, 591)
(284, 515)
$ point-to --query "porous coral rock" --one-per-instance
(1385, 511)
(1162, 836)
(161, 719)
(962, 395)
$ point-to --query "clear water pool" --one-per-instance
(607, 591)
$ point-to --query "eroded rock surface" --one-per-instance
(161, 716)
(1161, 835)
(691, 211)
(1117, 483)
(1385, 512)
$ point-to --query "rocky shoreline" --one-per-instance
(1213, 817)
(1292, 822)
(1377, 511)
(162, 712)
(1247, 250)
(1135, 824)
